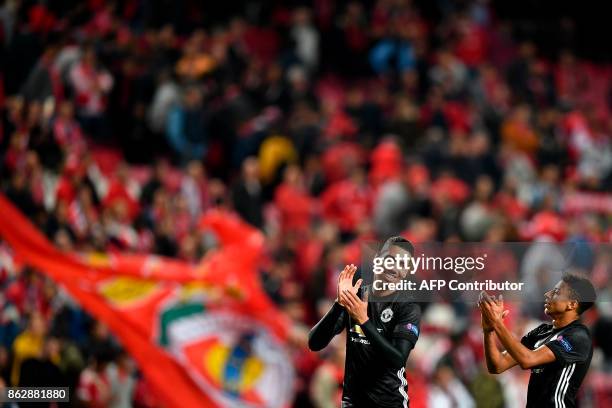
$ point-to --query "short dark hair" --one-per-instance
(582, 291)
(400, 242)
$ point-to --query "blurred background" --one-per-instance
(322, 124)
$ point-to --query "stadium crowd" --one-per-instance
(325, 124)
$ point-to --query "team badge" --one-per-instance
(231, 357)
(386, 315)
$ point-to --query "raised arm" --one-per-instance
(497, 361)
(330, 325)
(334, 321)
(394, 352)
(523, 356)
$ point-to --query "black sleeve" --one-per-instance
(407, 322)
(395, 352)
(572, 346)
(531, 338)
(331, 324)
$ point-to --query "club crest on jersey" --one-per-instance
(386, 315)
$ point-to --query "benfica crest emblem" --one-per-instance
(232, 359)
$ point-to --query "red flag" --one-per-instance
(203, 335)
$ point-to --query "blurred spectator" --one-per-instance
(295, 205)
(247, 193)
(156, 182)
(122, 381)
(477, 217)
(194, 189)
(167, 94)
(186, 126)
(348, 203)
(517, 131)
(447, 390)
(390, 208)
(44, 80)
(306, 38)
(122, 193)
(19, 193)
(29, 344)
(43, 369)
(195, 62)
(326, 385)
(5, 367)
(95, 387)
(67, 131)
(449, 74)
(91, 84)
(99, 344)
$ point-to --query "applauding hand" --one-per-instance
(345, 282)
(491, 310)
(357, 308)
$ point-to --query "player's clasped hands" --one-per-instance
(491, 310)
(347, 295)
(345, 282)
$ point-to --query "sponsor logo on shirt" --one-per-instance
(357, 329)
(566, 344)
(413, 328)
(360, 338)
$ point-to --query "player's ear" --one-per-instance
(572, 305)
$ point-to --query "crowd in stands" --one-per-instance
(324, 124)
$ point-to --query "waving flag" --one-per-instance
(203, 335)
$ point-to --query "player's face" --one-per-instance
(557, 300)
(399, 272)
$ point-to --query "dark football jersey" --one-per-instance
(556, 384)
(369, 381)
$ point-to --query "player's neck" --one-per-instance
(563, 320)
(382, 293)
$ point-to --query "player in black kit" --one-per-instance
(381, 332)
(558, 354)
